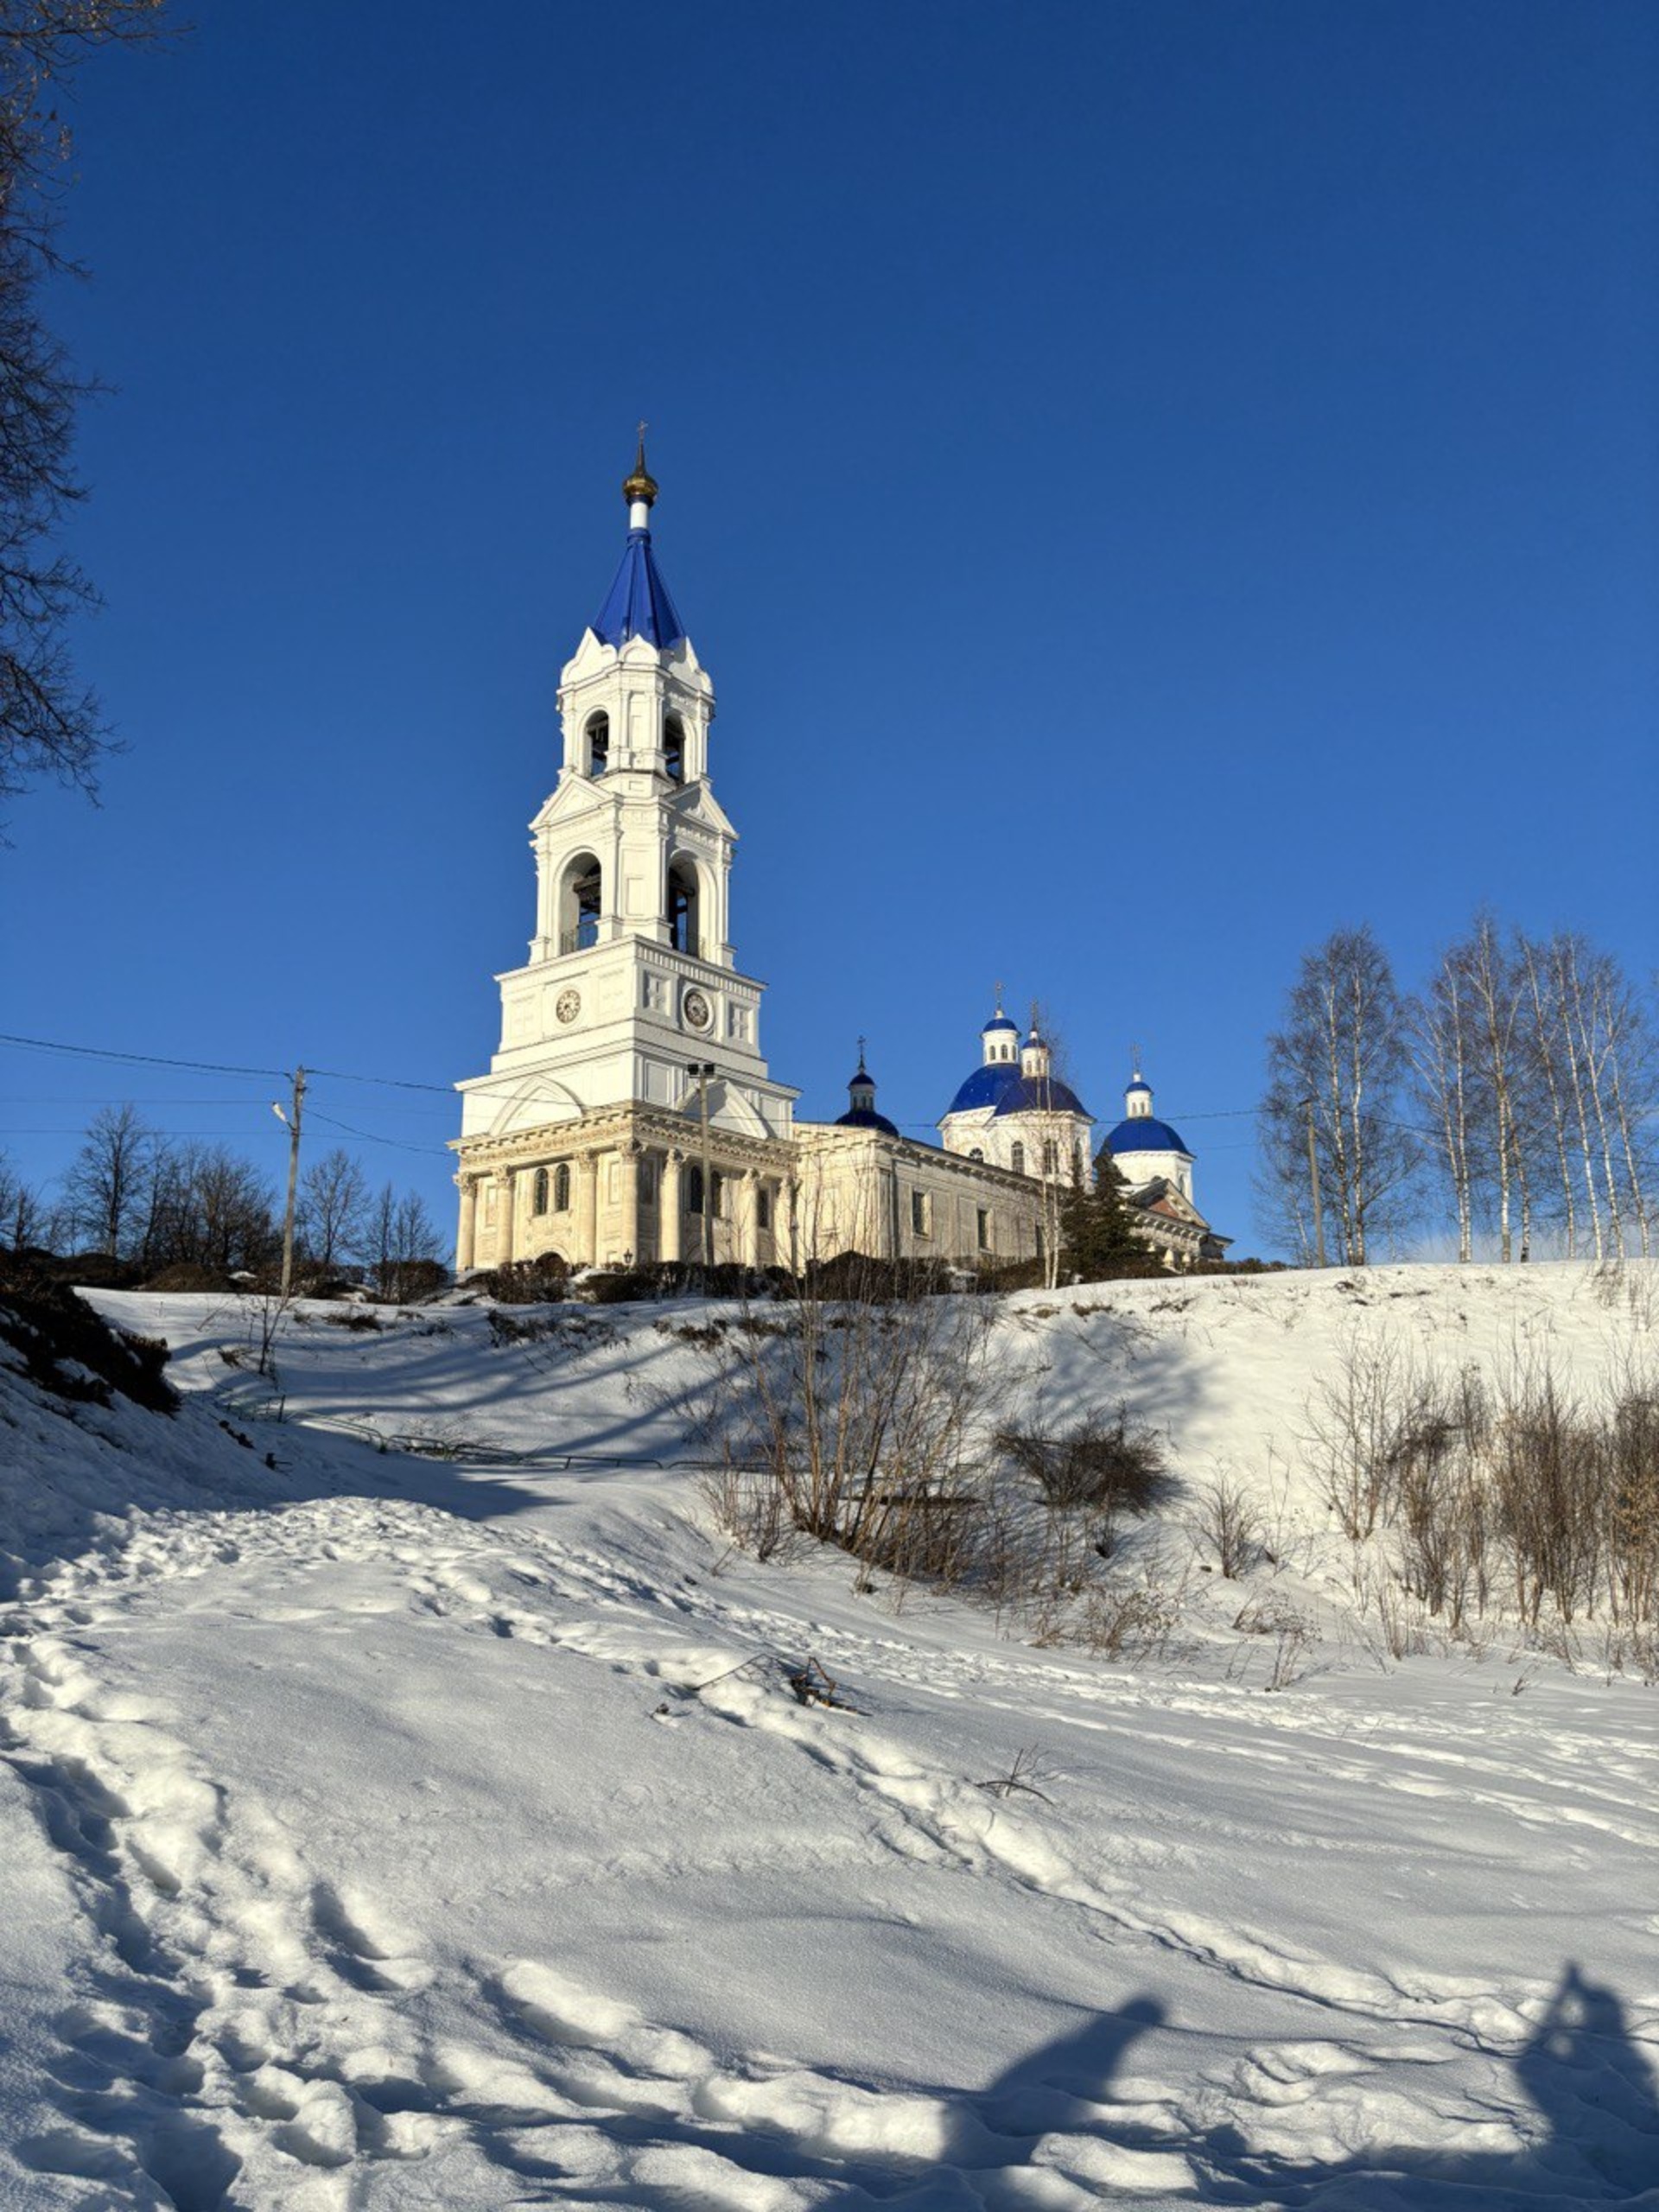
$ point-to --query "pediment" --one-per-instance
(573, 798)
(533, 1103)
(699, 804)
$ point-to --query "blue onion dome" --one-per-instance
(1000, 1020)
(985, 1086)
(865, 1117)
(862, 1114)
(1145, 1133)
(1038, 1094)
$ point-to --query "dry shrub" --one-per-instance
(1108, 1461)
(1104, 1465)
(1549, 1472)
(748, 1505)
(1228, 1520)
(1353, 1422)
(540, 1281)
(861, 1417)
(1128, 1621)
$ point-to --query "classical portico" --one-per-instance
(627, 1186)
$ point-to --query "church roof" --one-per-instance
(1041, 1094)
(638, 604)
(985, 1086)
(1145, 1133)
(1000, 1020)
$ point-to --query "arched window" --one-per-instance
(694, 1189)
(598, 744)
(763, 1207)
(538, 1191)
(1050, 1157)
(562, 1188)
(684, 916)
(581, 898)
(975, 1153)
(1017, 1159)
(674, 748)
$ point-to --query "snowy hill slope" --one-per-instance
(392, 1832)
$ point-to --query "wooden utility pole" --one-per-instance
(1314, 1181)
(291, 1123)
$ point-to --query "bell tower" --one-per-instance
(631, 980)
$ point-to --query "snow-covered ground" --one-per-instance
(382, 1831)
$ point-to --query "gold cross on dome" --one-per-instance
(643, 427)
(997, 988)
(861, 1052)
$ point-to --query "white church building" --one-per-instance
(629, 1115)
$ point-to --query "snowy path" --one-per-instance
(411, 1840)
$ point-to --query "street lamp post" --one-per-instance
(701, 1070)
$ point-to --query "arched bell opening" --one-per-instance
(674, 748)
(597, 744)
(581, 899)
(685, 907)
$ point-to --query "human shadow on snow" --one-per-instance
(1590, 2083)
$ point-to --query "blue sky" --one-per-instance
(1151, 483)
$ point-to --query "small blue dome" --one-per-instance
(1000, 1020)
(1144, 1133)
(1140, 1084)
(1041, 1094)
(865, 1117)
(985, 1086)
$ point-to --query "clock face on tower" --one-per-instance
(697, 1010)
(568, 1005)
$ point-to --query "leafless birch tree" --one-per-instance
(1342, 1046)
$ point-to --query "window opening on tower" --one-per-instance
(674, 748)
(581, 903)
(598, 744)
(684, 920)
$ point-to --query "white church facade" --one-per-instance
(629, 1116)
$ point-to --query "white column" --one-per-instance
(671, 1204)
(586, 1210)
(505, 1192)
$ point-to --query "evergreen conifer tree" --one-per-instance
(1096, 1233)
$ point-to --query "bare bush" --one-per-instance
(748, 1505)
(1110, 1462)
(1633, 1502)
(1353, 1425)
(1136, 1620)
(862, 1415)
(1550, 1468)
(1228, 1520)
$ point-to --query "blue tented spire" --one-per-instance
(638, 604)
